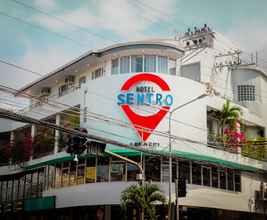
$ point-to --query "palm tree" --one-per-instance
(142, 198)
(228, 116)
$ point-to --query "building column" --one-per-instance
(57, 134)
(12, 140)
(33, 134)
(107, 212)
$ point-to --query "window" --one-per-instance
(62, 90)
(215, 180)
(162, 64)
(65, 174)
(222, 176)
(184, 170)
(196, 173)
(125, 64)
(152, 169)
(115, 66)
(191, 71)
(172, 67)
(97, 73)
(137, 64)
(230, 180)
(90, 171)
(102, 169)
(150, 63)
(132, 170)
(246, 93)
(117, 170)
(80, 171)
(165, 170)
(237, 181)
(82, 80)
(206, 176)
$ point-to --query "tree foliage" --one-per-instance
(142, 198)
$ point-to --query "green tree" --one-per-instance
(142, 199)
(228, 116)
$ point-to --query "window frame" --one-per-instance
(246, 93)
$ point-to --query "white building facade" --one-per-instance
(124, 93)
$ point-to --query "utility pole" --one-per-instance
(209, 91)
(170, 151)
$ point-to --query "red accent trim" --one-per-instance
(145, 125)
(145, 77)
(142, 122)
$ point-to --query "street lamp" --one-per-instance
(170, 151)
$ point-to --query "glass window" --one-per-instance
(191, 71)
(65, 174)
(3, 194)
(102, 169)
(222, 176)
(237, 181)
(125, 64)
(165, 170)
(184, 170)
(196, 173)
(215, 179)
(58, 176)
(98, 73)
(206, 176)
(28, 185)
(172, 67)
(137, 64)
(132, 170)
(246, 93)
(72, 174)
(150, 63)
(80, 171)
(162, 64)
(115, 66)
(174, 170)
(82, 80)
(90, 173)
(41, 181)
(152, 168)
(117, 170)
(20, 188)
(230, 178)
(51, 176)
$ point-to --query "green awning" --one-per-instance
(214, 160)
(179, 154)
(42, 203)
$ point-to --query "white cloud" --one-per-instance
(250, 37)
(45, 4)
(128, 19)
(44, 61)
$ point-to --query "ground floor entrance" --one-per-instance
(114, 212)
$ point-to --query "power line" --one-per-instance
(43, 29)
(81, 28)
(20, 67)
(108, 98)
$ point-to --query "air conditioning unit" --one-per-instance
(70, 79)
(46, 91)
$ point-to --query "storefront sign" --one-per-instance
(147, 91)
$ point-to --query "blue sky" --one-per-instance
(42, 43)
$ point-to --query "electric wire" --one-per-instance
(78, 27)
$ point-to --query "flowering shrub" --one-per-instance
(233, 137)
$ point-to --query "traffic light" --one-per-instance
(77, 144)
(181, 187)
